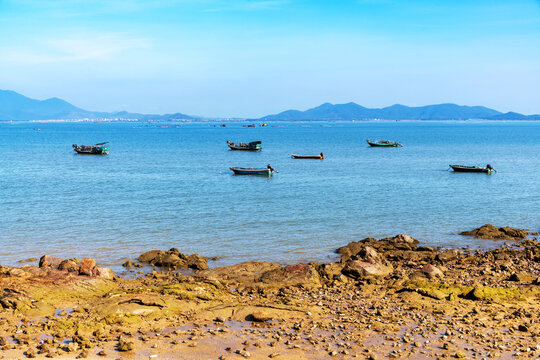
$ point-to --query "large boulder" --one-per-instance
(360, 269)
(87, 267)
(69, 266)
(292, 275)
(49, 261)
(491, 232)
(103, 273)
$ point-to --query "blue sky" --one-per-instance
(247, 58)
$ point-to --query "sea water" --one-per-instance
(169, 185)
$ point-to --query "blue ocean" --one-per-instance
(169, 185)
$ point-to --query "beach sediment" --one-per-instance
(387, 298)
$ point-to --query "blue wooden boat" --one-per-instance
(252, 171)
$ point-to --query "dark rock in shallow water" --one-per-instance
(491, 232)
(174, 259)
(197, 262)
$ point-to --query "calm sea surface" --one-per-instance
(164, 187)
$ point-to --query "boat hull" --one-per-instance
(243, 148)
(470, 169)
(251, 171)
(251, 146)
(317, 157)
(377, 144)
(92, 151)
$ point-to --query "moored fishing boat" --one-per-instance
(97, 149)
(383, 143)
(269, 170)
(473, 169)
(319, 157)
(250, 146)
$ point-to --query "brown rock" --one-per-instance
(82, 355)
(447, 256)
(368, 253)
(330, 270)
(353, 248)
(169, 260)
(259, 316)
(49, 261)
(28, 260)
(243, 273)
(30, 353)
(432, 271)
(301, 274)
(358, 269)
(197, 262)
(521, 277)
(104, 273)
(69, 266)
(149, 255)
(17, 272)
(87, 267)
(402, 238)
(124, 345)
(489, 231)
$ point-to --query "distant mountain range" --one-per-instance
(353, 111)
(16, 107)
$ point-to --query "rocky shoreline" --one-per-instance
(386, 298)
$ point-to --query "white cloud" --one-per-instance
(83, 46)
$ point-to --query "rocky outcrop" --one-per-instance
(491, 232)
(257, 274)
(366, 263)
(174, 260)
(399, 242)
(85, 267)
(292, 275)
